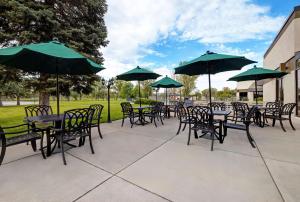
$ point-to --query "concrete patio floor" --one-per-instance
(145, 163)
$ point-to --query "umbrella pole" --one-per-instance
(256, 95)
(166, 97)
(57, 90)
(211, 112)
(140, 94)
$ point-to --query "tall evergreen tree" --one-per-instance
(78, 23)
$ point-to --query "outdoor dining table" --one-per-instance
(141, 119)
(56, 119)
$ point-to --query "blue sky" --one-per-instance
(159, 35)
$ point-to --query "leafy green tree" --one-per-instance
(126, 90)
(78, 23)
(118, 87)
(188, 82)
(205, 93)
(146, 88)
(14, 89)
(226, 93)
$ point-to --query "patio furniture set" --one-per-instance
(58, 129)
(202, 118)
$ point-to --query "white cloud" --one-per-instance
(222, 21)
(134, 25)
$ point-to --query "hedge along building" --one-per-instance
(284, 54)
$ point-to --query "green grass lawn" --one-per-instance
(14, 115)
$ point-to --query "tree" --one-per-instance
(126, 90)
(146, 88)
(226, 93)
(188, 82)
(80, 24)
(205, 93)
(118, 87)
(6, 76)
(14, 89)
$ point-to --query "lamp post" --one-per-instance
(108, 83)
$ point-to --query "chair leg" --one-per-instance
(280, 121)
(290, 120)
(189, 136)
(33, 145)
(63, 150)
(184, 127)
(122, 121)
(155, 122)
(42, 146)
(273, 124)
(161, 120)
(212, 135)
(99, 131)
(179, 128)
(3, 149)
(91, 144)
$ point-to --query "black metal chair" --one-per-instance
(201, 120)
(240, 110)
(270, 109)
(183, 117)
(76, 124)
(13, 135)
(97, 117)
(220, 106)
(245, 126)
(39, 110)
(128, 112)
(283, 114)
(154, 113)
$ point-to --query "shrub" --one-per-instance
(145, 101)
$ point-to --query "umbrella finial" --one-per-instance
(255, 66)
(209, 52)
(138, 67)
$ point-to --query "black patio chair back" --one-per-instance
(201, 115)
(76, 121)
(37, 110)
(76, 124)
(287, 109)
(126, 107)
(97, 116)
(240, 110)
(250, 115)
(217, 106)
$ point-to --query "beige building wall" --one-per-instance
(282, 51)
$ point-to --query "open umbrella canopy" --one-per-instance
(138, 74)
(212, 63)
(166, 82)
(257, 73)
(52, 57)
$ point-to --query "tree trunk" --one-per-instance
(18, 100)
(44, 98)
(1, 104)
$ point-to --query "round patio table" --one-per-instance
(141, 119)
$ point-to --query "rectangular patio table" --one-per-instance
(57, 119)
(141, 120)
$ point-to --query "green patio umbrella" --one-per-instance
(257, 73)
(52, 58)
(212, 63)
(138, 74)
(166, 83)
